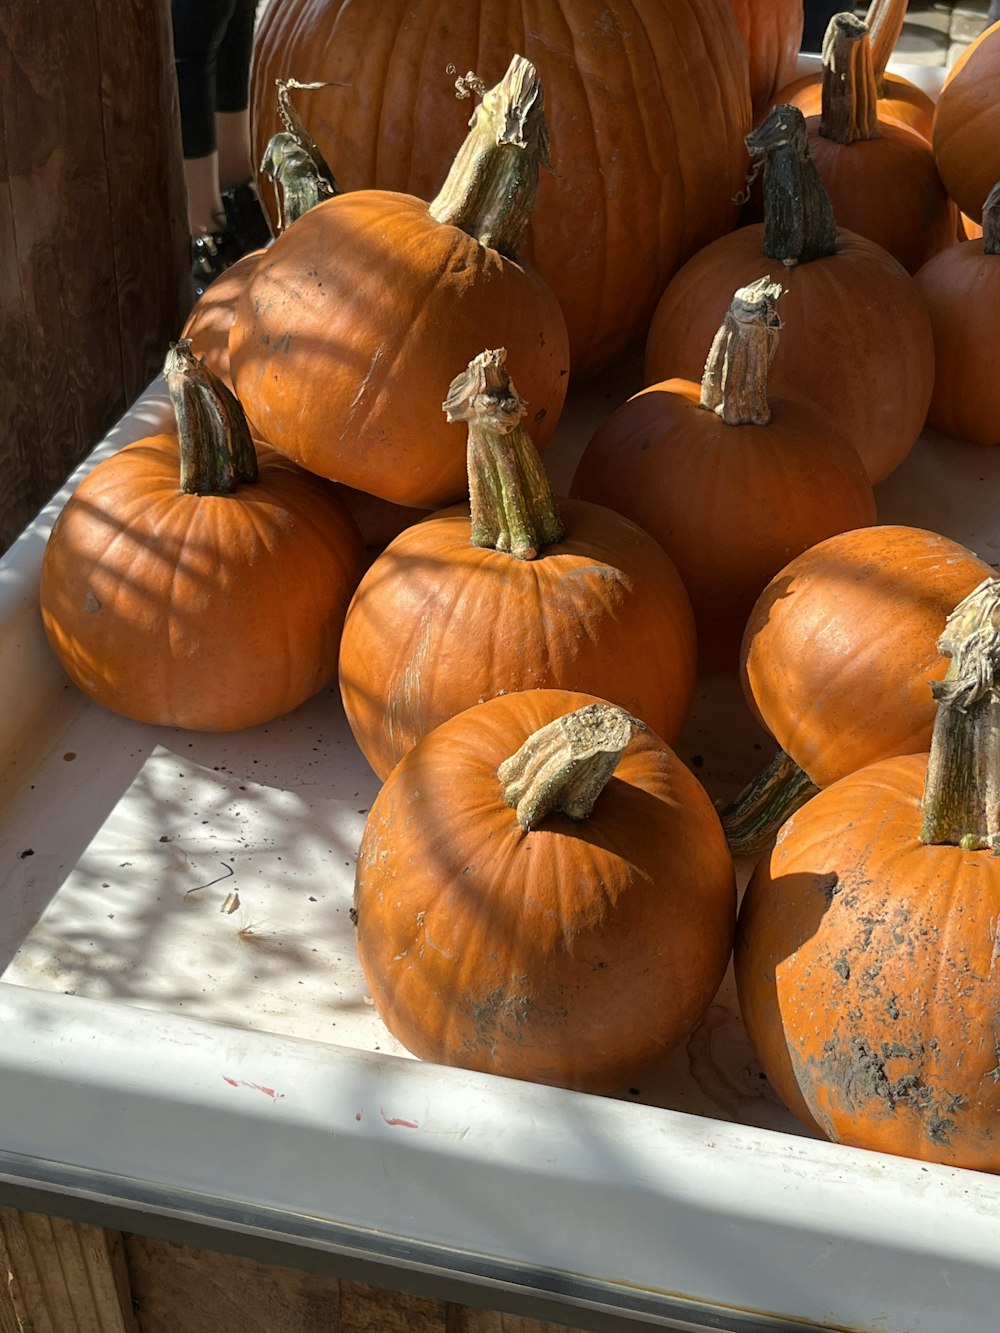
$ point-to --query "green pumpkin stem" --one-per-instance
(884, 20)
(294, 162)
(216, 451)
(850, 91)
(991, 222)
(799, 225)
(961, 804)
(563, 767)
(510, 497)
(734, 384)
(491, 187)
(754, 817)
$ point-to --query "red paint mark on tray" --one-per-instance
(395, 1120)
(358, 1116)
(257, 1087)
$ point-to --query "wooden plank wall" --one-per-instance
(58, 1276)
(94, 267)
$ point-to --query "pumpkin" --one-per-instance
(772, 34)
(867, 942)
(511, 593)
(967, 124)
(648, 102)
(837, 658)
(194, 581)
(881, 178)
(543, 892)
(731, 481)
(346, 335)
(900, 100)
(961, 286)
(857, 339)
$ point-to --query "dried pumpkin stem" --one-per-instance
(216, 451)
(991, 222)
(510, 497)
(799, 225)
(491, 187)
(961, 805)
(754, 817)
(734, 384)
(294, 162)
(884, 19)
(564, 766)
(850, 92)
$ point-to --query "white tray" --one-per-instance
(171, 1067)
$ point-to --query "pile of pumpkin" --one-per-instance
(543, 889)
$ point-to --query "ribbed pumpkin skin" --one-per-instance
(352, 326)
(773, 34)
(967, 124)
(840, 650)
(208, 612)
(647, 101)
(856, 337)
(575, 955)
(731, 505)
(866, 973)
(887, 189)
(438, 625)
(961, 286)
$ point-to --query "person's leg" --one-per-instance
(199, 30)
(232, 122)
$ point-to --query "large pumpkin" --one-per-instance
(772, 33)
(521, 910)
(348, 331)
(967, 124)
(195, 582)
(867, 944)
(519, 594)
(648, 101)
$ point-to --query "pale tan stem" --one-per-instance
(850, 94)
(734, 384)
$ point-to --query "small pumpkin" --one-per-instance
(513, 592)
(838, 655)
(543, 891)
(195, 581)
(346, 335)
(967, 124)
(731, 480)
(867, 942)
(961, 287)
(857, 339)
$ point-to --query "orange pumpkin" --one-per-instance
(648, 102)
(194, 582)
(847, 305)
(520, 595)
(207, 326)
(900, 100)
(731, 481)
(523, 912)
(967, 124)
(867, 941)
(348, 331)
(881, 178)
(961, 286)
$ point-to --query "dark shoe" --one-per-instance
(245, 217)
(211, 254)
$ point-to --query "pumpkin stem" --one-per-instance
(799, 225)
(961, 804)
(754, 817)
(564, 766)
(991, 222)
(216, 451)
(735, 380)
(511, 501)
(294, 162)
(884, 20)
(850, 94)
(491, 187)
